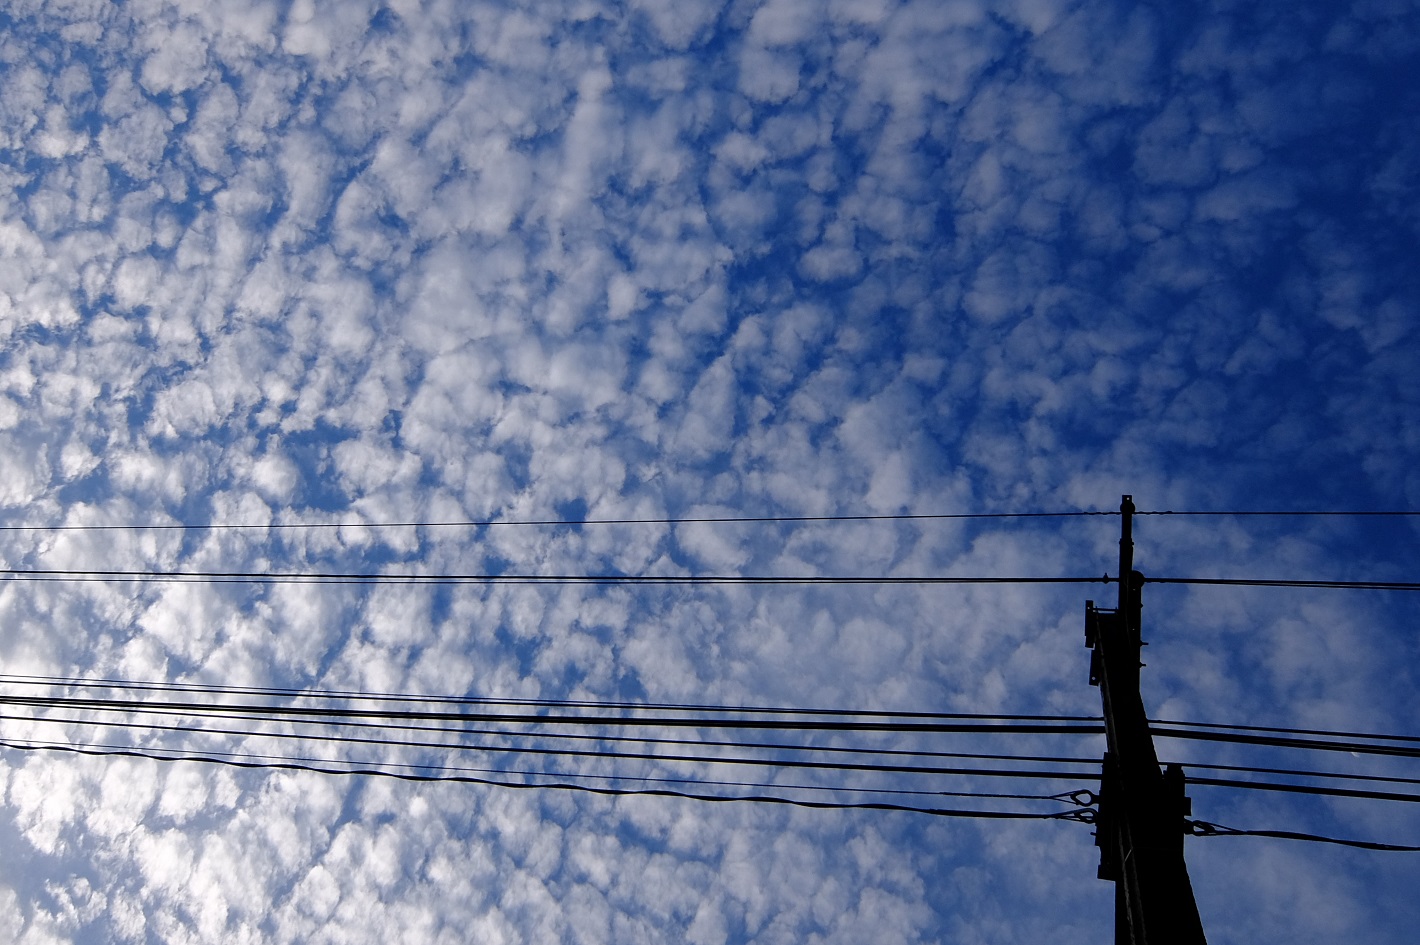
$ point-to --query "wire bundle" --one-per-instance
(807, 757)
(815, 758)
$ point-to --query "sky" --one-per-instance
(359, 263)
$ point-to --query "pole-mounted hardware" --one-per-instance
(1142, 810)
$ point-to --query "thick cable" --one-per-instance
(1202, 828)
(86, 575)
(686, 520)
(1331, 733)
(1078, 798)
(933, 770)
(197, 710)
(1392, 513)
(1294, 772)
(563, 786)
(574, 523)
(1319, 790)
(1267, 582)
(1273, 741)
(546, 736)
(351, 695)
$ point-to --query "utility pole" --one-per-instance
(1140, 827)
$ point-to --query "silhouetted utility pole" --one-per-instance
(1140, 827)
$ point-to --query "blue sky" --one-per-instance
(354, 262)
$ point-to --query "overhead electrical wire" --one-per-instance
(651, 715)
(1274, 741)
(541, 736)
(325, 768)
(1302, 789)
(1351, 513)
(1313, 789)
(555, 736)
(260, 714)
(345, 717)
(1202, 828)
(769, 762)
(730, 718)
(297, 715)
(321, 577)
(677, 721)
(494, 523)
(1294, 772)
(680, 520)
(1332, 733)
(104, 575)
(788, 763)
(1079, 797)
(81, 682)
(1269, 582)
(551, 728)
(755, 761)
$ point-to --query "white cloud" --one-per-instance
(828, 263)
(678, 25)
(177, 63)
(352, 264)
(769, 76)
(784, 22)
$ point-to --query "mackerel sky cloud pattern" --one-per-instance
(360, 262)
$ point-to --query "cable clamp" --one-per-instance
(1201, 828)
(1085, 815)
(1080, 798)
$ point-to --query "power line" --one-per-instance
(300, 716)
(320, 768)
(926, 770)
(1078, 798)
(680, 520)
(1318, 790)
(1273, 741)
(493, 523)
(1201, 828)
(545, 736)
(385, 721)
(1267, 582)
(535, 718)
(637, 756)
(767, 746)
(1296, 772)
(95, 575)
(349, 719)
(362, 696)
(1286, 731)
(1392, 513)
(318, 577)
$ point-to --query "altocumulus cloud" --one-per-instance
(353, 263)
